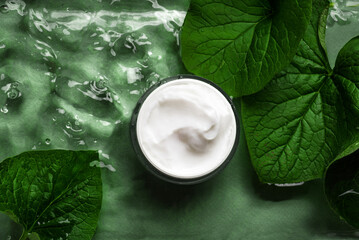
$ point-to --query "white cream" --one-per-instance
(186, 128)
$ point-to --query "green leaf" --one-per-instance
(307, 114)
(342, 188)
(346, 76)
(53, 194)
(242, 44)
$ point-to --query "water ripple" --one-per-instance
(343, 12)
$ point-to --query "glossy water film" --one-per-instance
(71, 73)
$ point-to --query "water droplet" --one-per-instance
(13, 93)
(76, 128)
(99, 90)
(98, 87)
(4, 9)
(113, 53)
(60, 110)
(4, 109)
(101, 84)
(289, 184)
(102, 165)
(47, 141)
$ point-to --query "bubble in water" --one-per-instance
(47, 141)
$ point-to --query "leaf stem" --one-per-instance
(24, 235)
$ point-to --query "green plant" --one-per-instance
(306, 117)
(342, 188)
(241, 45)
(53, 194)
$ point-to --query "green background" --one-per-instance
(76, 90)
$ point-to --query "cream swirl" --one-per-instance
(186, 128)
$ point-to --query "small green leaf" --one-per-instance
(306, 115)
(342, 188)
(242, 44)
(52, 194)
(34, 236)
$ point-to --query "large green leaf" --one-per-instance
(342, 188)
(242, 44)
(346, 77)
(53, 194)
(306, 116)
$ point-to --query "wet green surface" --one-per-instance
(70, 75)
